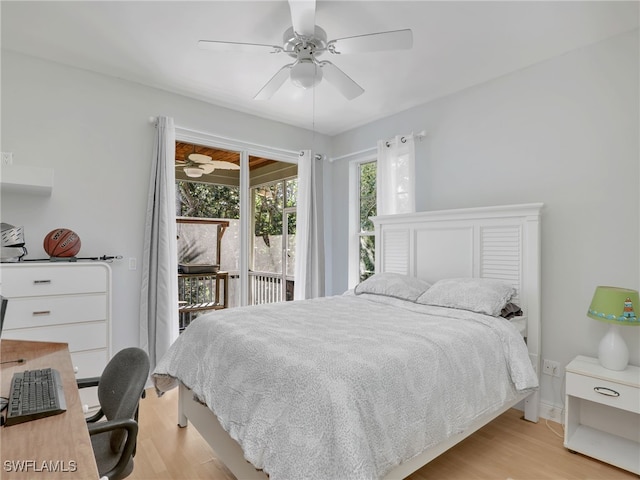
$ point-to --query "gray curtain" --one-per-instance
(159, 292)
(309, 268)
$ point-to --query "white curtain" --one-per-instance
(159, 293)
(396, 175)
(309, 267)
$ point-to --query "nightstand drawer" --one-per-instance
(602, 391)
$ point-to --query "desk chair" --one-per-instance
(119, 390)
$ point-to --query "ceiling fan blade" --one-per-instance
(223, 165)
(373, 42)
(345, 85)
(199, 158)
(303, 17)
(274, 84)
(237, 47)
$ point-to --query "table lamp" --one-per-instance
(615, 306)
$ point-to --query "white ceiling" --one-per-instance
(456, 45)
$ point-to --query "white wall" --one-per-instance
(94, 131)
(564, 132)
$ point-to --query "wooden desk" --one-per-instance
(53, 447)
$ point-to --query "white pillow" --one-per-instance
(393, 285)
(481, 295)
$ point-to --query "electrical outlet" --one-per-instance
(549, 367)
(6, 158)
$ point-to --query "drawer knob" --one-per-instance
(606, 391)
(41, 282)
(75, 369)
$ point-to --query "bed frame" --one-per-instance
(488, 242)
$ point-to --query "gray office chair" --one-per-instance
(120, 388)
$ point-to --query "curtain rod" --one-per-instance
(403, 138)
(184, 134)
(316, 156)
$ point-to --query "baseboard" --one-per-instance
(555, 413)
(548, 411)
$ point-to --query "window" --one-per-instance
(275, 227)
(214, 202)
(205, 200)
(259, 164)
(204, 213)
(273, 251)
(363, 206)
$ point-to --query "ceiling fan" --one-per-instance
(305, 41)
(197, 164)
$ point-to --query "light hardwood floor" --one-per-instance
(507, 448)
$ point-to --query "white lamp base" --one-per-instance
(613, 352)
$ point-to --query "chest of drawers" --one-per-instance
(62, 302)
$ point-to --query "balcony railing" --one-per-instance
(267, 287)
(199, 293)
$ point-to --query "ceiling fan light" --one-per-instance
(199, 158)
(193, 172)
(305, 74)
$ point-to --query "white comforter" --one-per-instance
(346, 387)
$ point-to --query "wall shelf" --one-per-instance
(25, 179)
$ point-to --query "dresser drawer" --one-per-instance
(605, 392)
(26, 312)
(89, 364)
(80, 336)
(37, 280)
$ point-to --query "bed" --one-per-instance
(345, 386)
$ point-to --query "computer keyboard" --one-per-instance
(35, 394)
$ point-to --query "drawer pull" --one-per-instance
(606, 391)
(41, 313)
(41, 282)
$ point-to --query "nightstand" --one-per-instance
(602, 417)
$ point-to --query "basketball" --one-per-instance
(62, 242)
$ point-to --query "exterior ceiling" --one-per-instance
(226, 177)
(183, 149)
(457, 45)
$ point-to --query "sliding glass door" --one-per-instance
(259, 263)
(273, 235)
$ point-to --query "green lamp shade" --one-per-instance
(615, 305)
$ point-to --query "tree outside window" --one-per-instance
(275, 226)
(210, 201)
(367, 209)
(206, 200)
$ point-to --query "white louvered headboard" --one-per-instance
(501, 242)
